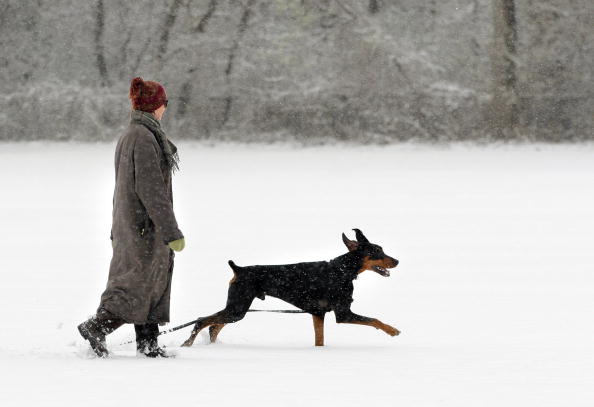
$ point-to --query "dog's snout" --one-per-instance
(395, 262)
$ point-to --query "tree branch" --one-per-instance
(212, 6)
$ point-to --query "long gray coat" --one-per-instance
(139, 283)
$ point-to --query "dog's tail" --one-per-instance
(234, 266)
(235, 269)
(237, 273)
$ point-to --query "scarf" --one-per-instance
(168, 148)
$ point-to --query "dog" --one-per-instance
(315, 287)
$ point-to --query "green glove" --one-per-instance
(177, 245)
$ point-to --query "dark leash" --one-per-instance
(182, 326)
(282, 311)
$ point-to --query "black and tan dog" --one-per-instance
(316, 288)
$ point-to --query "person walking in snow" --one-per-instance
(144, 231)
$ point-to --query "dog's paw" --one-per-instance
(390, 330)
(188, 343)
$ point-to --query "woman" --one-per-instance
(144, 230)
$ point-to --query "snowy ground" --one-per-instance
(494, 293)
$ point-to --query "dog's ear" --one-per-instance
(360, 236)
(350, 244)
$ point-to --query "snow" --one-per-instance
(494, 292)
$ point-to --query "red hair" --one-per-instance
(147, 96)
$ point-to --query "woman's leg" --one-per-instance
(146, 340)
(97, 327)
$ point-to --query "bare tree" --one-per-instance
(505, 113)
(99, 49)
(243, 25)
(165, 32)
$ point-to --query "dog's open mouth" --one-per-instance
(381, 271)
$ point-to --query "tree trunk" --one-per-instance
(165, 32)
(504, 60)
(201, 27)
(99, 50)
(243, 25)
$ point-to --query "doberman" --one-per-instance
(316, 288)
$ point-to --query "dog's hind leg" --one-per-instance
(213, 332)
(220, 318)
(226, 316)
(318, 322)
(200, 324)
(239, 299)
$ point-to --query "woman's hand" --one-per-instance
(177, 245)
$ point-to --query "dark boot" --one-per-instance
(95, 329)
(146, 341)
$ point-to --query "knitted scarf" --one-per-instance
(168, 148)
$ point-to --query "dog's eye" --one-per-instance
(377, 252)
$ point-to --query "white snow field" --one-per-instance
(494, 293)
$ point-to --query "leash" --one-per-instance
(282, 311)
(177, 328)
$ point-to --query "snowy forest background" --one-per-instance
(310, 70)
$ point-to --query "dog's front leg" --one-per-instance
(318, 322)
(349, 317)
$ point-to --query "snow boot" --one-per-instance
(146, 341)
(95, 329)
